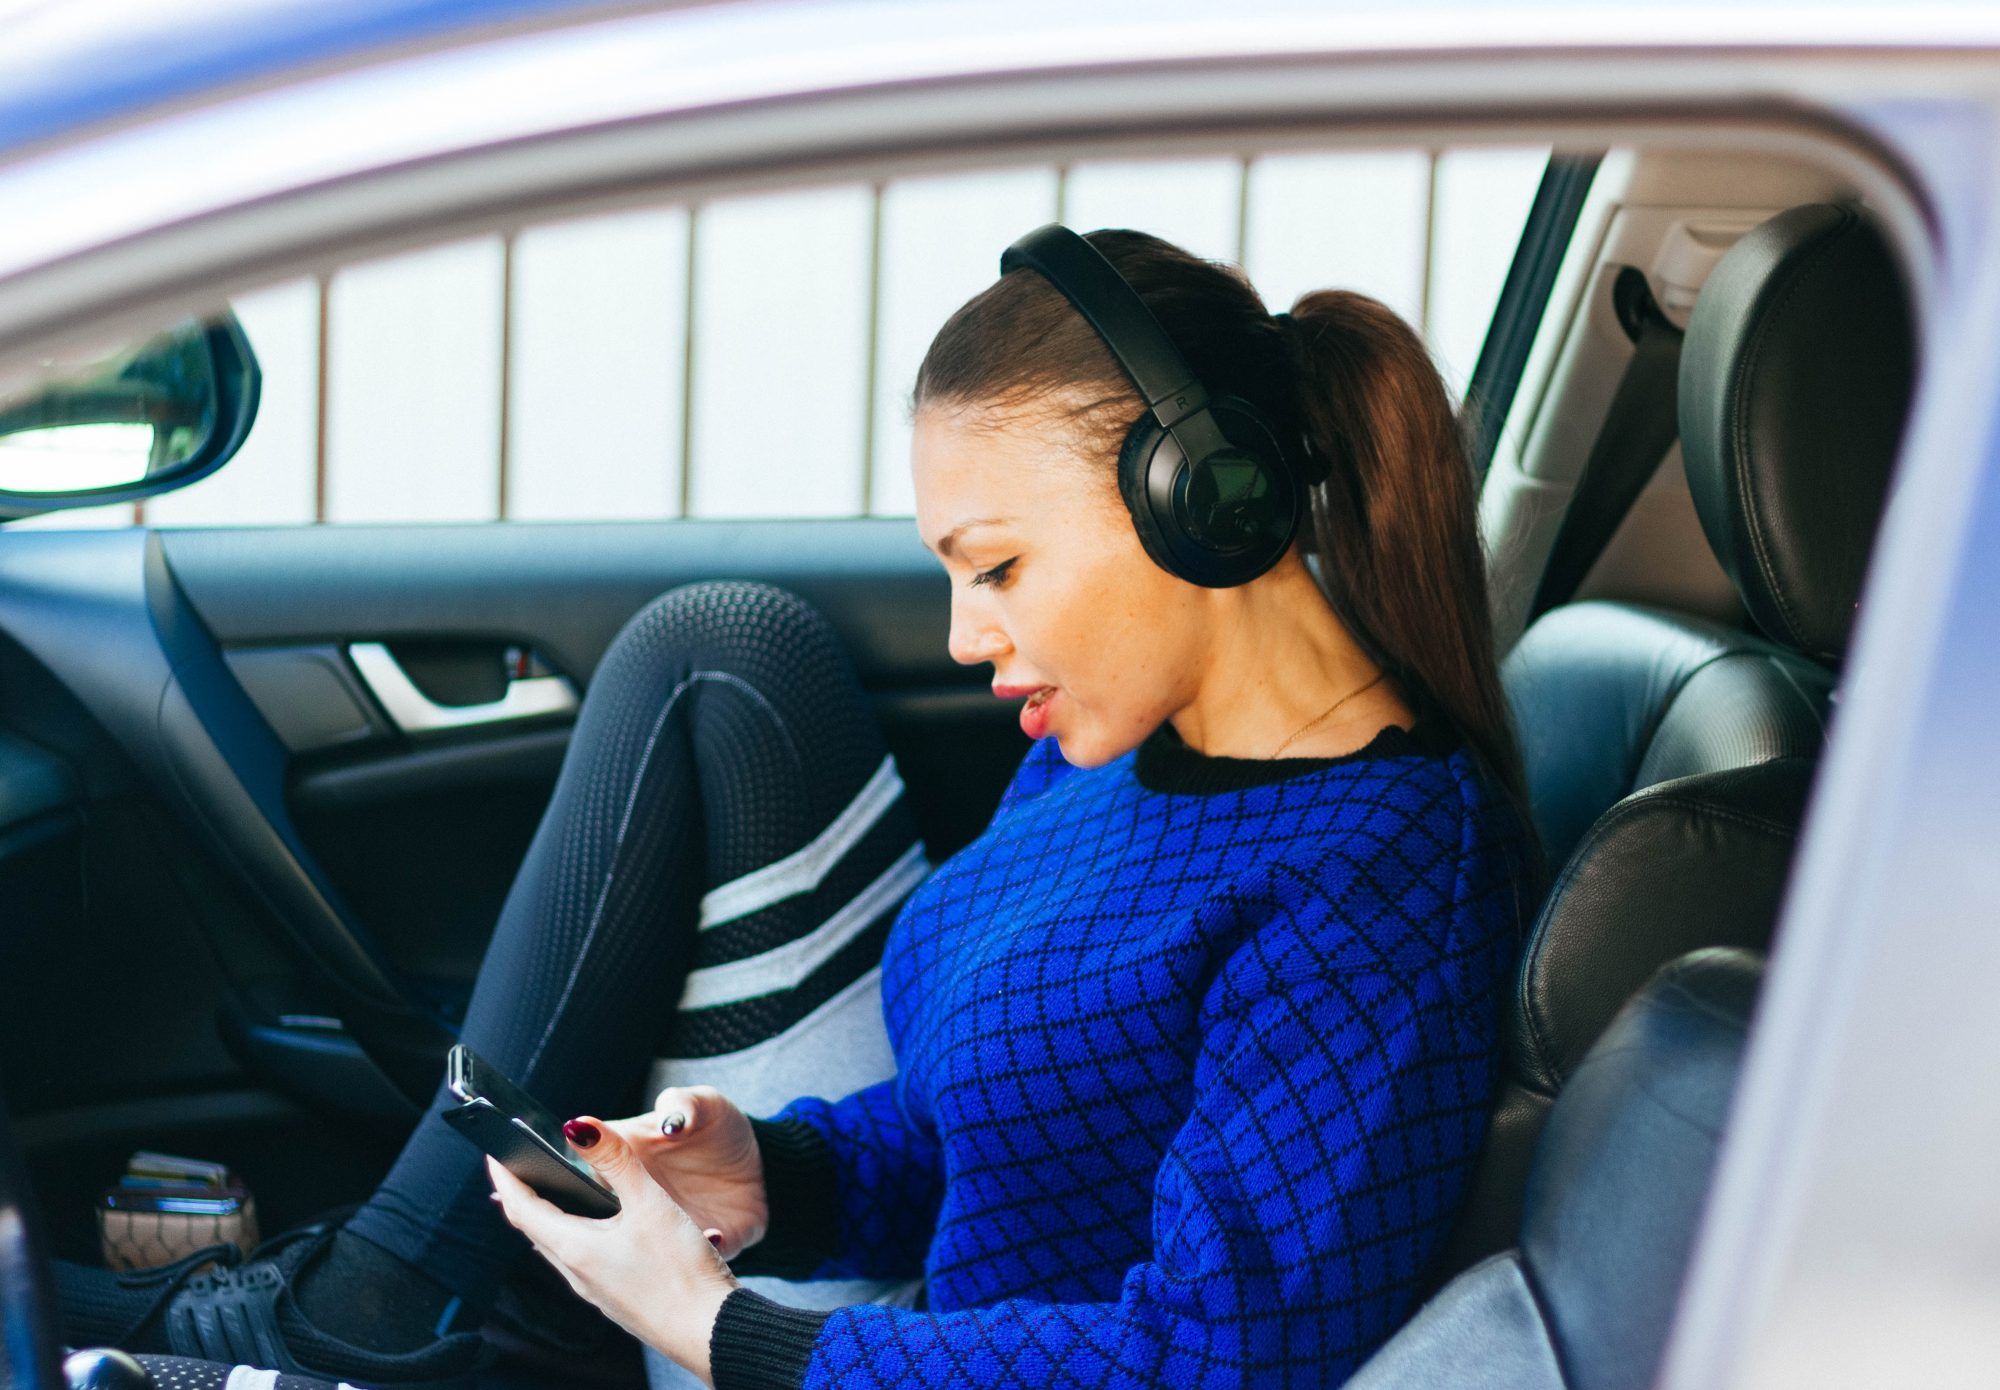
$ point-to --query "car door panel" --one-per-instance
(211, 669)
(566, 587)
(422, 833)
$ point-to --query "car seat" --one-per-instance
(1585, 1299)
(1795, 378)
(1794, 381)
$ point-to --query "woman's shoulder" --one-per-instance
(1429, 806)
(1422, 844)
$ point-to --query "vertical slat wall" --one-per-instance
(598, 352)
(753, 356)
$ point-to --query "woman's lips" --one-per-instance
(1035, 713)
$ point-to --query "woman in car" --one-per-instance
(1191, 1049)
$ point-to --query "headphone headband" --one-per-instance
(1210, 490)
(1110, 304)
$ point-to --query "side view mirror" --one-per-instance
(153, 416)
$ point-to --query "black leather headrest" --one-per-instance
(1695, 861)
(1615, 1197)
(1795, 378)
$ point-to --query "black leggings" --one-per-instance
(725, 849)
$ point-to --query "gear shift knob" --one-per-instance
(101, 1368)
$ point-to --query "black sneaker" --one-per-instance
(536, 1308)
(217, 1305)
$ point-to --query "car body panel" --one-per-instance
(74, 66)
(1851, 1237)
(708, 98)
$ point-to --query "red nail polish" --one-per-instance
(581, 1133)
(715, 1239)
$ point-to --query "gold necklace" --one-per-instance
(1328, 710)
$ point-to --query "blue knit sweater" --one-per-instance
(1194, 1058)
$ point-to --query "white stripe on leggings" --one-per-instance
(784, 967)
(250, 1378)
(803, 870)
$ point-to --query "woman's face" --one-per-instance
(1050, 584)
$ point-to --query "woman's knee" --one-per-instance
(724, 607)
(715, 620)
(757, 631)
(759, 685)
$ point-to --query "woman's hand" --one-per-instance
(650, 1268)
(710, 1164)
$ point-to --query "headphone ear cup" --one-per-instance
(1135, 463)
(1255, 499)
(1222, 521)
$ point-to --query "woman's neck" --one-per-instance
(1280, 658)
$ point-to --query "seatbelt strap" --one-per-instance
(1637, 432)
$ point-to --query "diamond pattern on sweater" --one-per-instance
(1189, 1085)
(891, 1177)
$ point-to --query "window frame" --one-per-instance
(1523, 303)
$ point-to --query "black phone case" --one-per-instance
(527, 1160)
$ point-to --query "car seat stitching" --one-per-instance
(1546, 1318)
(1676, 984)
(1530, 1006)
(1644, 1079)
(1726, 649)
(1745, 819)
(1792, 680)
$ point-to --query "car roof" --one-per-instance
(72, 65)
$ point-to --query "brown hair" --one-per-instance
(1393, 528)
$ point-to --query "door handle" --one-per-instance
(414, 712)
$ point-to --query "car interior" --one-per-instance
(249, 876)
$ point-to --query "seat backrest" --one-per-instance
(1794, 382)
(1585, 1298)
(1694, 861)
(1669, 756)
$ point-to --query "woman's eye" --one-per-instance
(996, 574)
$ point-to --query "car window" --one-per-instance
(637, 364)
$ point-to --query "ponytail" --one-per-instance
(1394, 529)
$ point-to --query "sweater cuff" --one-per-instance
(760, 1344)
(801, 1190)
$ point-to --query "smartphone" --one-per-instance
(149, 1169)
(506, 1122)
(175, 1201)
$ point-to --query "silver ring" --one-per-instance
(673, 1122)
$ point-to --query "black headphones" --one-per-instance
(1213, 495)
